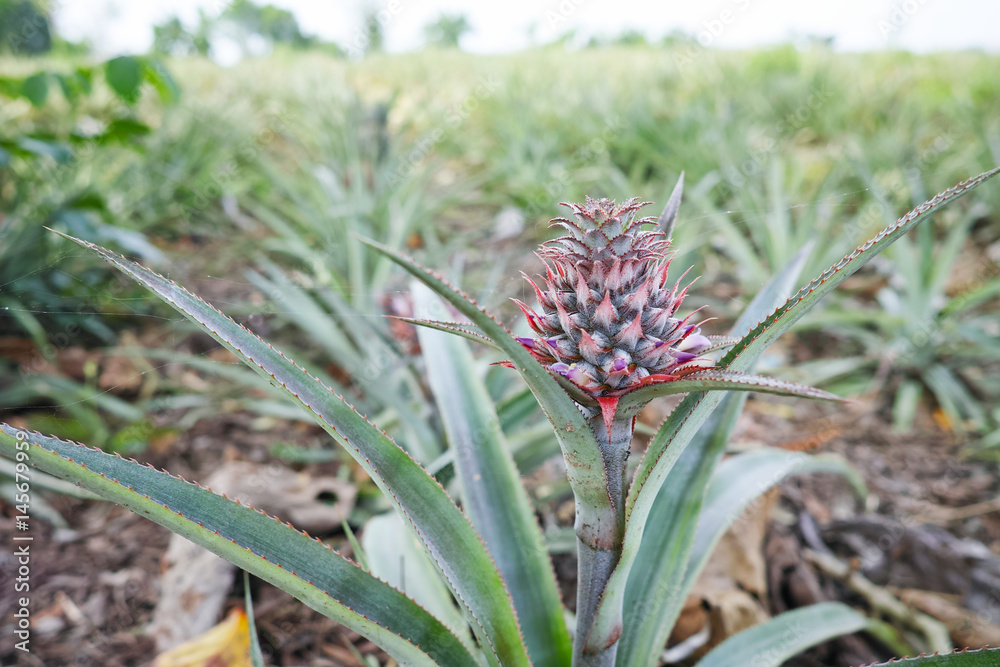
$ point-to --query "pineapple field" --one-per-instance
(583, 297)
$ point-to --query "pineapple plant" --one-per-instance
(607, 341)
(609, 326)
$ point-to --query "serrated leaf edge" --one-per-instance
(217, 533)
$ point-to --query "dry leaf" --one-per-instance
(225, 645)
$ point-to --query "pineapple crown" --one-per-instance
(604, 231)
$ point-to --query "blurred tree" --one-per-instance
(170, 36)
(242, 21)
(277, 25)
(24, 27)
(678, 37)
(447, 30)
(374, 33)
(173, 38)
(629, 37)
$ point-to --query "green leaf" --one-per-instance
(73, 86)
(651, 570)
(262, 545)
(397, 557)
(739, 482)
(122, 130)
(35, 88)
(354, 346)
(516, 409)
(85, 77)
(359, 553)
(773, 642)
(720, 342)
(973, 298)
(904, 407)
(584, 462)
(11, 86)
(942, 263)
(954, 397)
(655, 575)
(668, 218)
(124, 75)
(533, 446)
(448, 537)
(57, 152)
(44, 481)
(986, 657)
(157, 74)
(492, 492)
(256, 657)
(465, 330)
(714, 380)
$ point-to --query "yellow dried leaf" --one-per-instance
(942, 420)
(225, 645)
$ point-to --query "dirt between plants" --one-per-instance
(927, 541)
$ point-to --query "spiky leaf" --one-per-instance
(669, 216)
(262, 545)
(448, 537)
(463, 329)
(739, 482)
(396, 557)
(986, 657)
(716, 380)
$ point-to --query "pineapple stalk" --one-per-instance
(596, 558)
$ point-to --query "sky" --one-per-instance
(125, 26)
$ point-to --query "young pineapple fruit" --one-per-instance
(608, 321)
